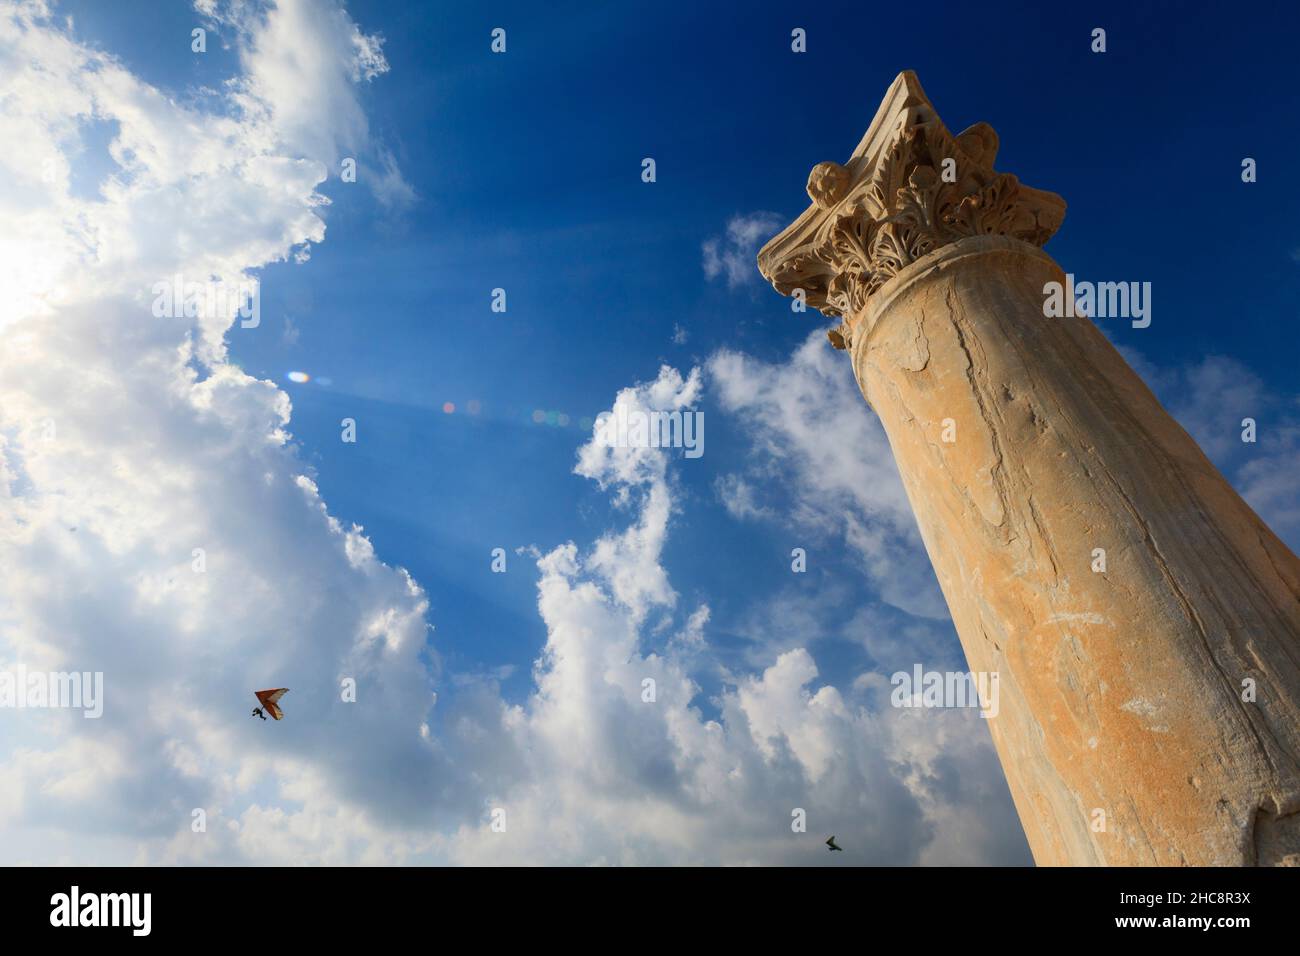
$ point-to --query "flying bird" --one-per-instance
(268, 698)
(830, 845)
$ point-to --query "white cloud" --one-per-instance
(159, 447)
(739, 496)
(293, 46)
(613, 778)
(126, 442)
(733, 256)
(813, 435)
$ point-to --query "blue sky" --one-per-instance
(522, 171)
(522, 191)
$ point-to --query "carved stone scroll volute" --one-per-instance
(908, 189)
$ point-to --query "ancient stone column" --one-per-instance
(1143, 621)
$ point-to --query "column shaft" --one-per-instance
(1121, 726)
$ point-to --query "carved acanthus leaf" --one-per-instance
(910, 188)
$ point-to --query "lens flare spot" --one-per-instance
(448, 407)
(298, 377)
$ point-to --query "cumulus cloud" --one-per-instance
(157, 524)
(732, 255)
(616, 776)
(291, 46)
(813, 434)
(155, 521)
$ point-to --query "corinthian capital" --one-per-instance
(909, 188)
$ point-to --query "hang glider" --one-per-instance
(268, 699)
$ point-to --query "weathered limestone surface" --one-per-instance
(1121, 690)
